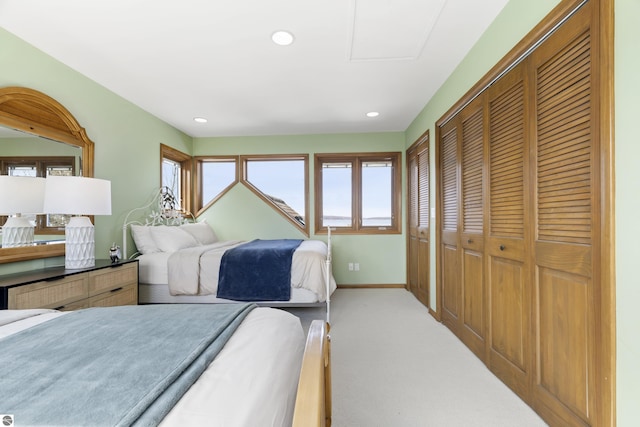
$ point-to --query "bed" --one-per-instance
(207, 374)
(182, 261)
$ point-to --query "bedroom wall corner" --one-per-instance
(241, 215)
(515, 20)
(127, 139)
(627, 201)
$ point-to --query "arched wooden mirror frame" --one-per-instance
(31, 111)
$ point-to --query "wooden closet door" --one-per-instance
(472, 236)
(508, 276)
(418, 209)
(450, 277)
(567, 225)
(412, 220)
(424, 288)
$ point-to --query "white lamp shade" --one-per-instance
(76, 195)
(21, 195)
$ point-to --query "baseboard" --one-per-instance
(374, 286)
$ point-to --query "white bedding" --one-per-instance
(252, 381)
(159, 294)
(194, 270)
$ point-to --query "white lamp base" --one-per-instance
(17, 231)
(80, 245)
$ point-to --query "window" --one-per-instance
(43, 167)
(281, 181)
(175, 174)
(358, 193)
(37, 166)
(214, 177)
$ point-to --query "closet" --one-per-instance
(418, 219)
(463, 295)
(521, 173)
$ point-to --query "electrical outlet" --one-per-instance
(356, 266)
(350, 266)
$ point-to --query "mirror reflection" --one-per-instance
(23, 154)
(37, 114)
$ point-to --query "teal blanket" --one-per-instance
(115, 366)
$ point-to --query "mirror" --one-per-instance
(35, 113)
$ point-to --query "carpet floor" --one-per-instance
(395, 366)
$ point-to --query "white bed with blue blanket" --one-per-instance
(184, 262)
(169, 365)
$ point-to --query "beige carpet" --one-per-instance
(395, 366)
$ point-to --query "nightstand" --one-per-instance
(105, 284)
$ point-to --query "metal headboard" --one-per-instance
(162, 210)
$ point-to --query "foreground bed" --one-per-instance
(253, 380)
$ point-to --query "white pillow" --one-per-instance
(172, 238)
(143, 240)
(201, 231)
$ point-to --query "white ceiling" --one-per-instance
(215, 58)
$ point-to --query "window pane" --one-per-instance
(336, 195)
(45, 166)
(171, 178)
(216, 176)
(376, 193)
(57, 220)
(358, 193)
(59, 171)
(282, 182)
(22, 171)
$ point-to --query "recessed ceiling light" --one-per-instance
(373, 114)
(282, 38)
(200, 119)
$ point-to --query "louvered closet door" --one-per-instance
(423, 222)
(509, 285)
(418, 173)
(413, 221)
(472, 236)
(451, 289)
(567, 224)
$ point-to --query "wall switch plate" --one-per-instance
(350, 266)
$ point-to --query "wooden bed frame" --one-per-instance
(313, 404)
(313, 399)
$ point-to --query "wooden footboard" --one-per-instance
(313, 401)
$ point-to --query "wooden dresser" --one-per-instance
(105, 284)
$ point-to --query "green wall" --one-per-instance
(514, 22)
(627, 200)
(516, 19)
(127, 139)
(127, 153)
(32, 146)
(127, 146)
(240, 214)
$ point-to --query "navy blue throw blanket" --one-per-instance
(259, 270)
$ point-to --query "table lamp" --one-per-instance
(20, 195)
(80, 196)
